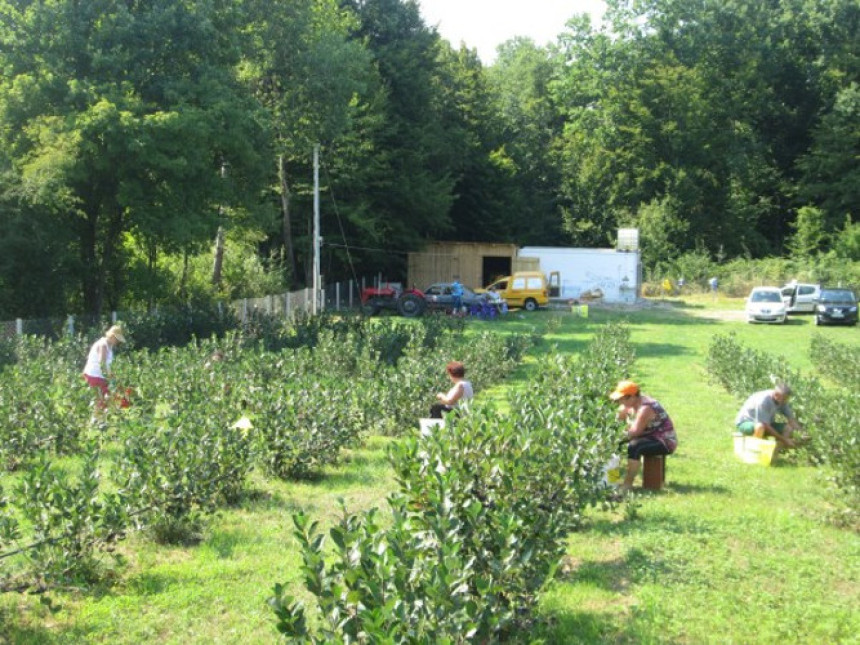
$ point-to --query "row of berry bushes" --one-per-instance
(828, 414)
(838, 362)
(201, 418)
(478, 524)
(46, 406)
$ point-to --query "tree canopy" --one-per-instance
(135, 135)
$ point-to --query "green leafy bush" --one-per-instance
(837, 361)
(72, 520)
(738, 276)
(176, 326)
(303, 426)
(202, 415)
(828, 415)
(177, 469)
(10, 531)
(7, 352)
(478, 523)
(43, 400)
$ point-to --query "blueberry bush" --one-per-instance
(189, 419)
(477, 526)
(828, 414)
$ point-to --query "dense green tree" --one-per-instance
(592, 156)
(758, 64)
(810, 235)
(709, 104)
(319, 87)
(35, 258)
(134, 134)
(411, 189)
(662, 231)
(487, 203)
(831, 169)
(118, 118)
(847, 241)
(530, 124)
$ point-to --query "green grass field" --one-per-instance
(726, 553)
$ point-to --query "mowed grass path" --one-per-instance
(727, 553)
